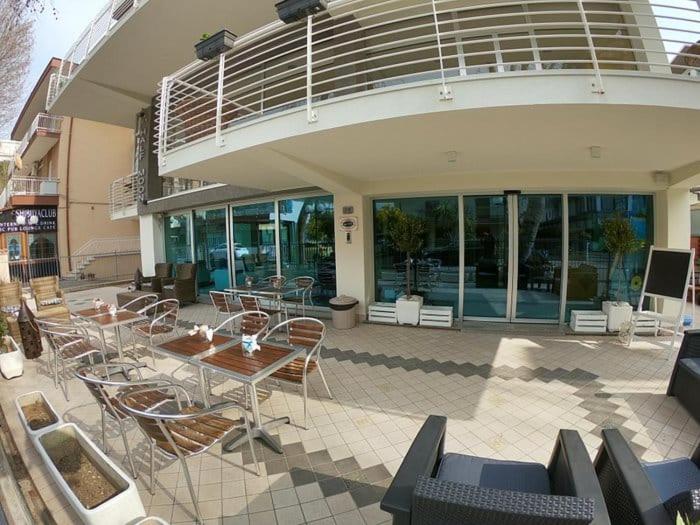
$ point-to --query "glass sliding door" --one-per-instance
(435, 270)
(178, 238)
(539, 238)
(254, 241)
(591, 279)
(307, 243)
(211, 250)
(486, 256)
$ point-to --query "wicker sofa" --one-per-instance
(433, 487)
(49, 299)
(184, 285)
(640, 493)
(163, 276)
(685, 378)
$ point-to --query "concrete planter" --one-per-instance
(29, 399)
(12, 363)
(408, 309)
(124, 507)
(618, 313)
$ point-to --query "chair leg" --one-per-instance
(323, 378)
(55, 369)
(104, 431)
(191, 488)
(153, 470)
(122, 431)
(304, 386)
(249, 433)
(65, 379)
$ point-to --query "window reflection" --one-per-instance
(254, 241)
(178, 247)
(211, 250)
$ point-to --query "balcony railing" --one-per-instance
(101, 25)
(32, 186)
(173, 186)
(360, 46)
(123, 196)
(43, 122)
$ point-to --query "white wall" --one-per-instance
(152, 245)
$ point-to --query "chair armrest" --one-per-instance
(422, 459)
(686, 504)
(629, 494)
(571, 473)
(448, 502)
(690, 347)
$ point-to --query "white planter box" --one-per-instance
(28, 399)
(618, 314)
(408, 309)
(440, 316)
(588, 322)
(12, 363)
(125, 507)
(382, 313)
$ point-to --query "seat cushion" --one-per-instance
(673, 476)
(691, 365)
(495, 474)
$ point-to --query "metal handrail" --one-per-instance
(123, 194)
(31, 186)
(109, 245)
(361, 46)
(107, 18)
(42, 122)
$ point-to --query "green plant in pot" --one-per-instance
(620, 241)
(406, 234)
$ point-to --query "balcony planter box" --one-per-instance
(121, 9)
(215, 45)
(36, 413)
(408, 309)
(109, 497)
(290, 11)
(11, 359)
(618, 313)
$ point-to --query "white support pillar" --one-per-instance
(152, 243)
(672, 218)
(354, 259)
(647, 30)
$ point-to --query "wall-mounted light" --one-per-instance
(451, 157)
(33, 220)
(595, 152)
(290, 11)
(21, 220)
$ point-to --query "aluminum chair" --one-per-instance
(225, 304)
(138, 304)
(307, 332)
(302, 297)
(278, 281)
(103, 381)
(69, 342)
(162, 322)
(251, 303)
(179, 429)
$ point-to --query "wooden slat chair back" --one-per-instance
(224, 302)
(161, 321)
(309, 333)
(277, 281)
(249, 303)
(253, 323)
(179, 429)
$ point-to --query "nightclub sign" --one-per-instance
(31, 220)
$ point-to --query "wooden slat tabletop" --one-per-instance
(105, 319)
(234, 360)
(191, 345)
(91, 312)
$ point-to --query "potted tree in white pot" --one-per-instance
(620, 241)
(405, 233)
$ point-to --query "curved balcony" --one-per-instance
(403, 58)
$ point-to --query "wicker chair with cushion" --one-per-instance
(49, 299)
(433, 487)
(647, 493)
(685, 378)
(163, 276)
(184, 285)
(10, 302)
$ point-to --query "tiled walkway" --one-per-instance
(506, 392)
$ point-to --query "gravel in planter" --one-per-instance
(38, 415)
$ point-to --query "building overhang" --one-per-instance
(38, 146)
(121, 73)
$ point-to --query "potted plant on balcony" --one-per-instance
(11, 357)
(620, 241)
(211, 46)
(405, 233)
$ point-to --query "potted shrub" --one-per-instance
(405, 233)
(211, 46)
(99, 491)
(11, 357)
(36, 413)
(620, 241)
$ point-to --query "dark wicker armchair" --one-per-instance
(685, 378)
(184, 286)
(434, 487)
(647, 493)
(163, 276)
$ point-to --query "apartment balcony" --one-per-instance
(401, 89)
(42, 135)
(111, 71)
(123, 197)
(29, 191)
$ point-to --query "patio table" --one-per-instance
(266, 290)
(250, 370)
(103, 320)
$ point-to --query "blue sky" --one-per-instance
(53, 37)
